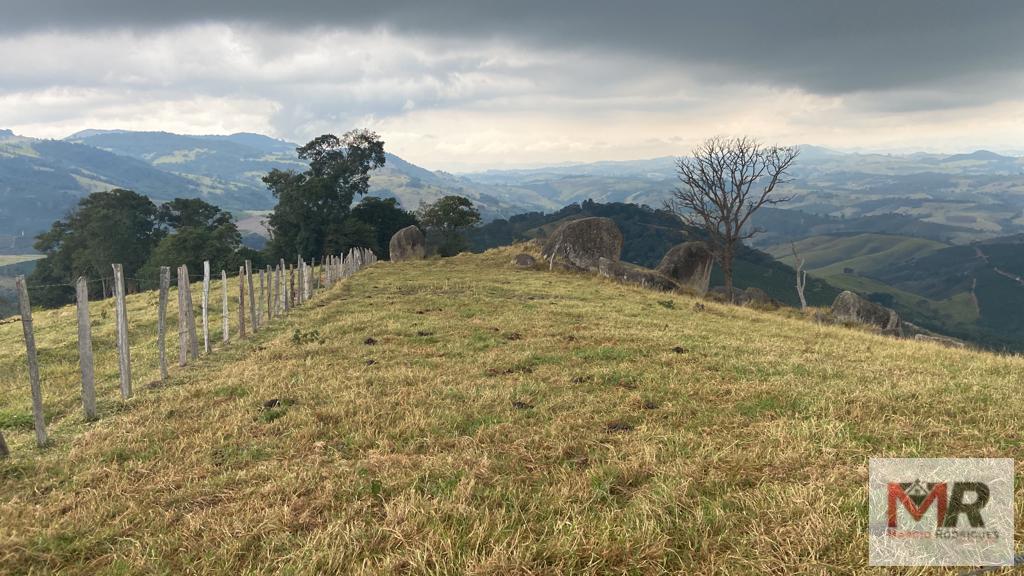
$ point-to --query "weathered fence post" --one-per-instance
(33, 362)
(291, 287)
(252, 298)
(283, 279)
(241, 302)
(307, 281)
(317, 272)
(123, 351)
(182, 320)
(206, 306)
(259, 304)
(161, 321)
(225, 327)
(277, 291)
(85, 349)
(269, 293)
(193, 338)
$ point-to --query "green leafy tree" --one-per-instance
(445, 221)
(118, 226)
(311, 216)
(198, 231)
(386, 217)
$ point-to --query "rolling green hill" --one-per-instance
(863, 254)
(500, 421)
(974, 292)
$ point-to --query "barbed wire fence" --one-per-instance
(263, 295)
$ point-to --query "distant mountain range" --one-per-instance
(981, 193)
(40, 180)
(935, 236)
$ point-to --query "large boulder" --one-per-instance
(408, 244)
(849, 307)
(632, 274)
(580, 244)
(524, 260)
(752, 296)
(689, 264)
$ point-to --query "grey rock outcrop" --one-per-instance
(408, 244)
(524, 260)
(689, 264)
(580, 244)
(849, 307)
(632, 274)
(752, 296)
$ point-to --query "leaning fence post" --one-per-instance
(225, 329)
(33, 362)
(161, 321)
(206, 306)
(85, 349)
(241, 302)
(252, 298)
(123, 352)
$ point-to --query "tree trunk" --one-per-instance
(727, 254)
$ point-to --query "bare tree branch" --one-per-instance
(721, 186)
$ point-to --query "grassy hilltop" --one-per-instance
(462, 417)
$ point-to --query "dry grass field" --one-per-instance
(460, 416)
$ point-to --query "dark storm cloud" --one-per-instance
(823, 46)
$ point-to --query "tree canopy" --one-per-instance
(118, 226)
(445, 220)
(311, 216)
(386, 217)
(121, 226)
(199, 231)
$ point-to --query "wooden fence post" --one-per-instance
(291, 286)
(241, 302)
(182, 320)
(123, 351)
(317, 274)
(259, 304)
(206, 306)
(254, 323)
(277, 291)
(161, 321)
(85, 349)
(281, 270)
(4, 450)
(270, 292)
(190, 318)
(33, 361)
(225, 324)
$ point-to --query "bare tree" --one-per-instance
(801, 277)
(724, 182)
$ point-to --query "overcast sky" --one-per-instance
(469, 84)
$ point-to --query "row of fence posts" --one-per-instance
(280, 288)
